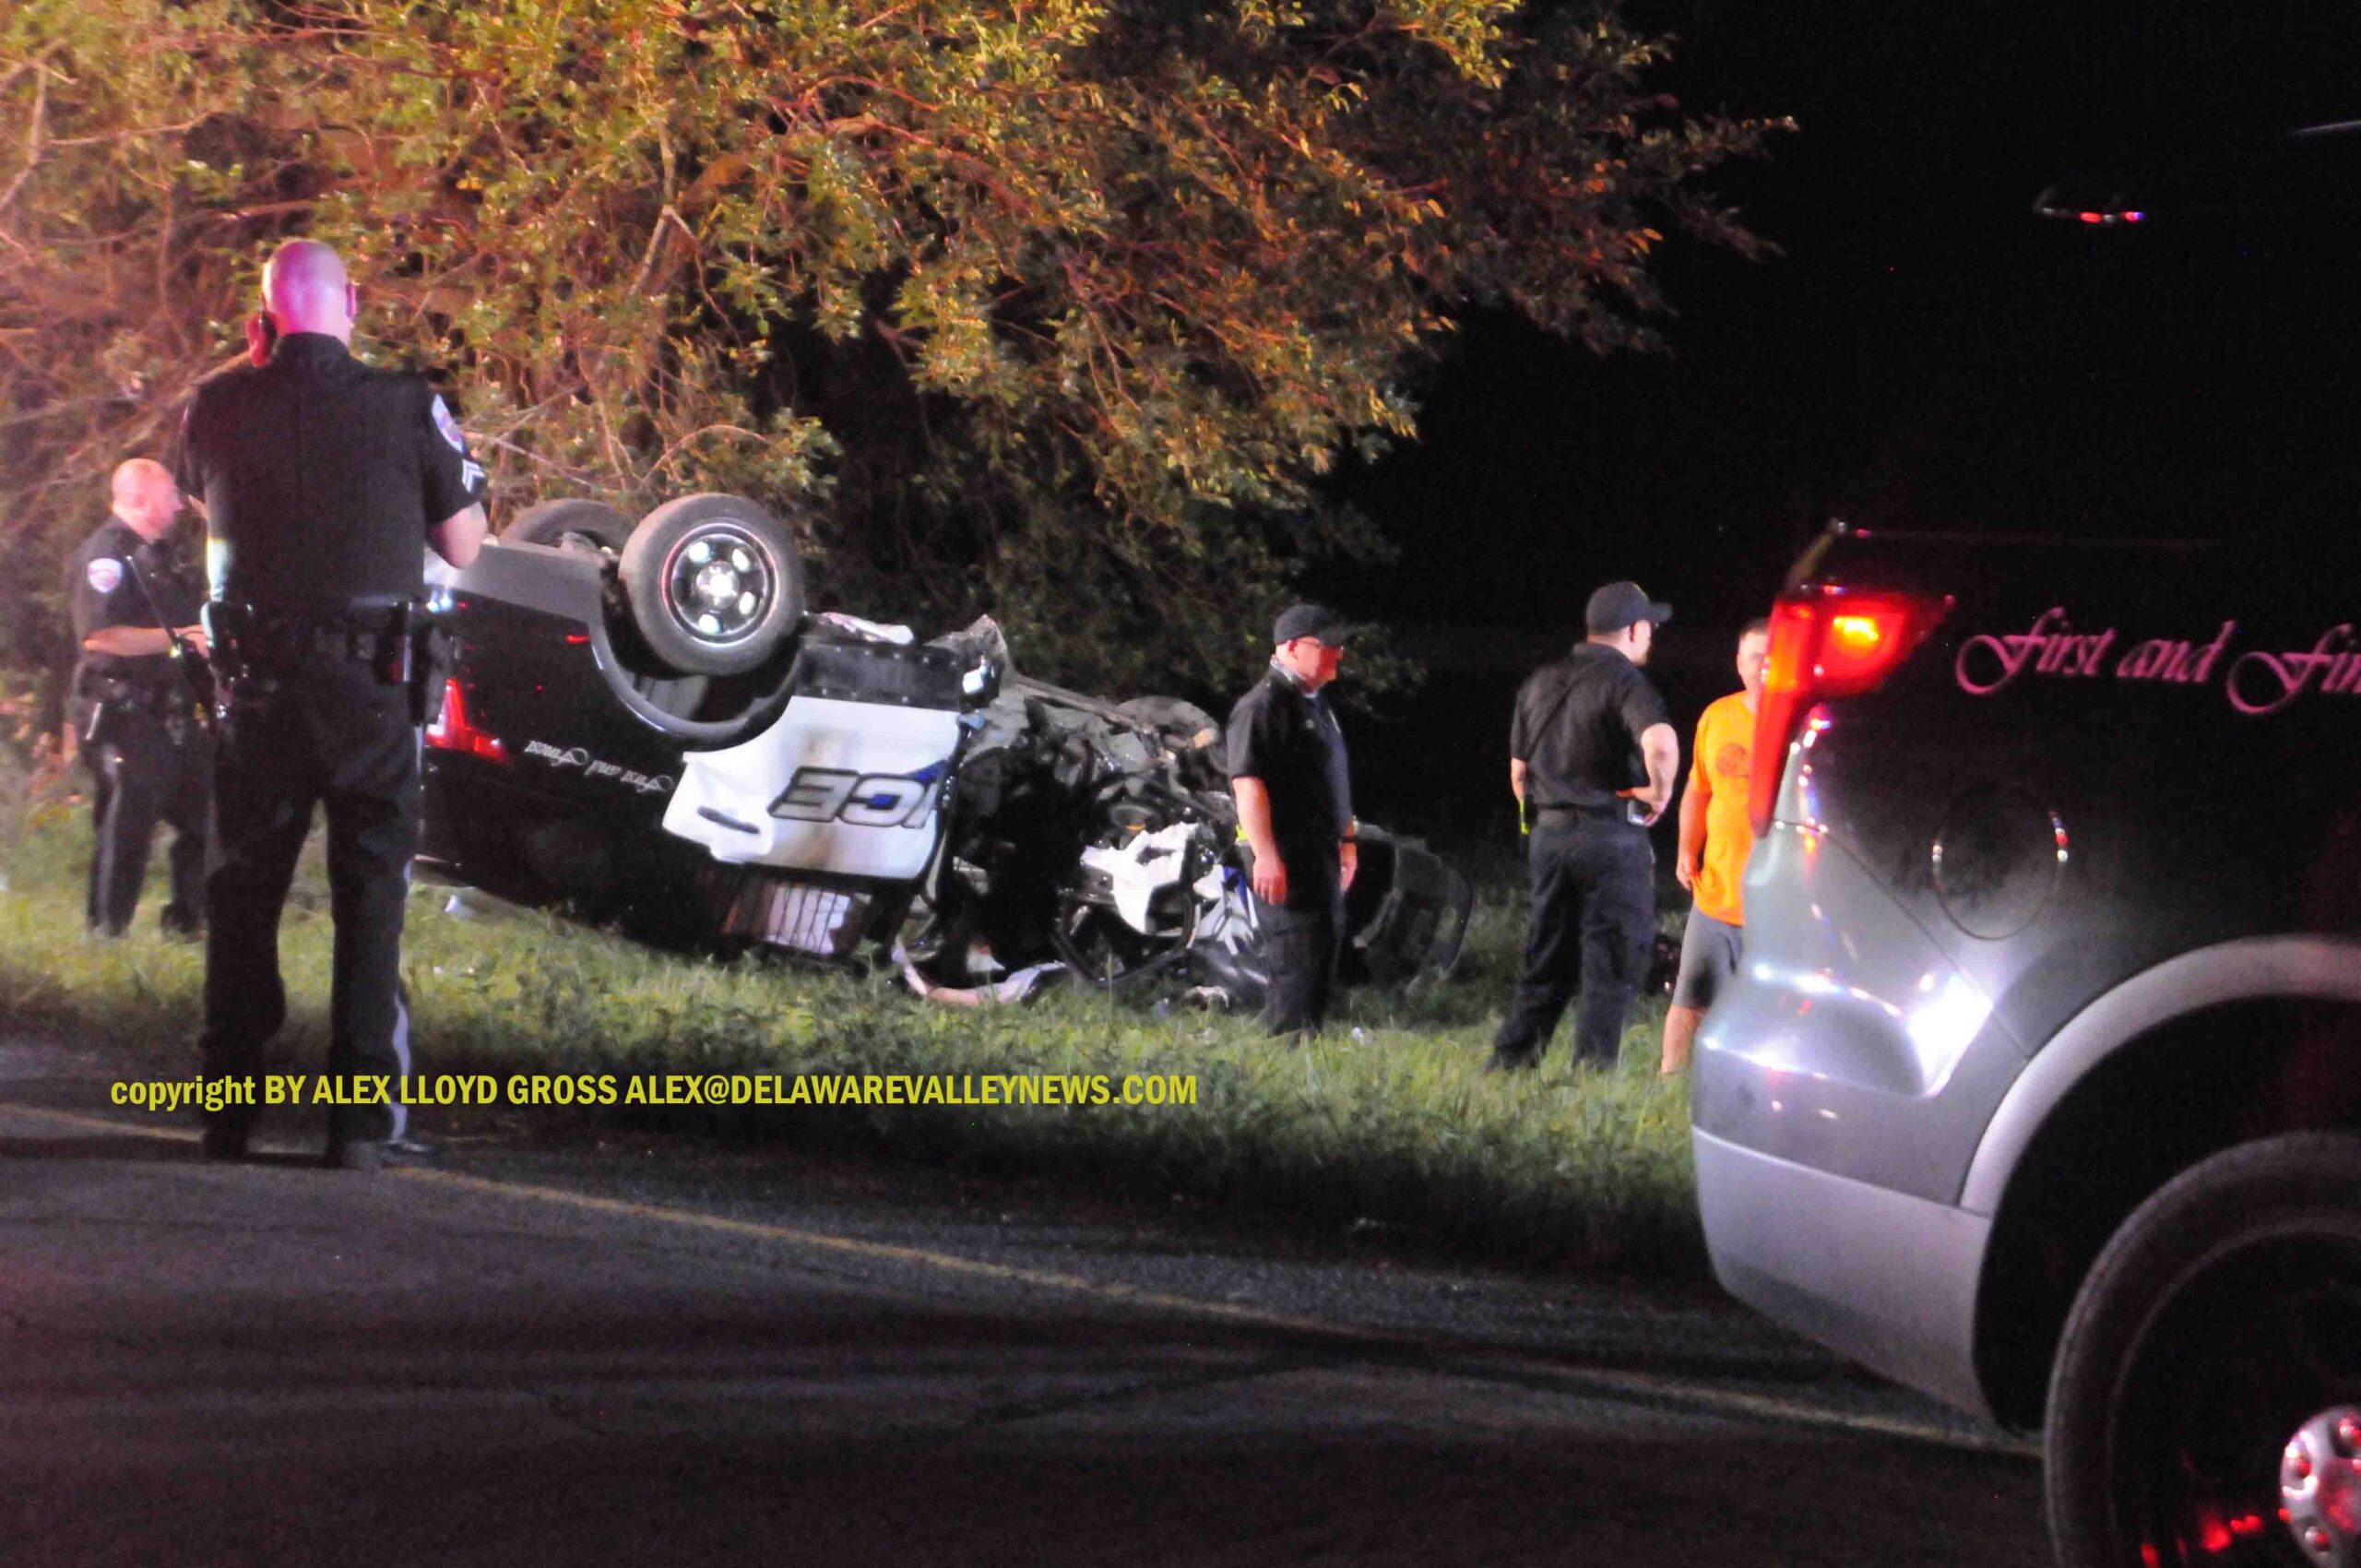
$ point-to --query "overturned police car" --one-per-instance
(642, 723)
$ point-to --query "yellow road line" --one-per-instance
(818, 1241)
(105, 1125)
(1643, 1385)
(852, 1246)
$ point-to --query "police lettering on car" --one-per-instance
(324, 480)
(133, 703)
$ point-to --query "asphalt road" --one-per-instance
(618, 1355)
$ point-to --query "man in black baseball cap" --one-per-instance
(1617, 605)
(1591, 760)
(1295, 809)
(1315, 621)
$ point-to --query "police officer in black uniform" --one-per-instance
(133, 703)
(1295, 807)
(323, 481)
(1591, 760)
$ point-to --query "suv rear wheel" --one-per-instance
(2220, 1325)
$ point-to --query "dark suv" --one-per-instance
(2041, 1088)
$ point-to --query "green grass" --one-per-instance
(1397, 1130)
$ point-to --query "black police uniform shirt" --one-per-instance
(1288, 738)
(1577, 728)
(322, 476)
(103, 588)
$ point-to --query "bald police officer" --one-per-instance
(1591, 757)
(133, 706)
(322, 480)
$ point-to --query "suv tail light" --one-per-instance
(451, 731)
(1827, 642)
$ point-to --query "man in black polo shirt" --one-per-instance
(324, 480)
(134, 704)
(1592, 759)
(1295, 807)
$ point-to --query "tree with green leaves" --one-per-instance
(1056, 309)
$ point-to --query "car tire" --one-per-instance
(2223, 1316)
(573, 522)
(713, 584)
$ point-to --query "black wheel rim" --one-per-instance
(2248, 1349)
(720, 584)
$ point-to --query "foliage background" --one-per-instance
(1047, 308)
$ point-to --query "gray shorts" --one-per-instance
(1709, 951)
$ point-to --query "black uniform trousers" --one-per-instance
(1588, 936)
(1301, 942)
(324, 730)
(149, 769)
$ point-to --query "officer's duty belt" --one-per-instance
(1575, 813)
(262, 634)
(134, 695)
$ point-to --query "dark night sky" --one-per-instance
(1902, 208)
(1818, 381)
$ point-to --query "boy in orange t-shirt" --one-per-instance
(1715, 838)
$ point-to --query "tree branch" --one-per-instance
(33, 133)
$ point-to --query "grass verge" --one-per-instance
(1395, 1131)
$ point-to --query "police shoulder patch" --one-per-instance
(106, 574)
(448, 426)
